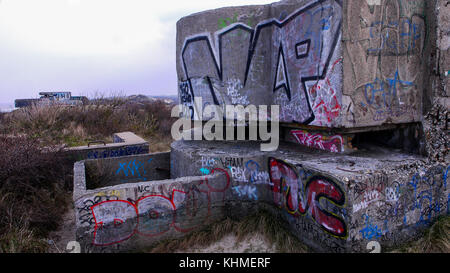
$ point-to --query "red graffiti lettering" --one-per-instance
(113, 213)
(117, 221)
(290, 192)
(285, 180)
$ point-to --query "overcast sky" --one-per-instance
(89, 46)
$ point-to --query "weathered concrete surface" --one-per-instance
(384, 60)
(334, 203)
(326, 63)
(436, 122)
(127, 169)
(132, 216)
(125, 144)
(443, 48)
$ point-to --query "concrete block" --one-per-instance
(125, 144)
(327, 63)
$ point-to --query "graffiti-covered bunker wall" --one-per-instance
(326, 63)
(339, 70)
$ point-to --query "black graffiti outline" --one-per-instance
(308, 48)
(286, 84)
(254, 38)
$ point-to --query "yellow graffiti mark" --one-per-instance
(109, 193)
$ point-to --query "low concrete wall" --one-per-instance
(127, 169)
(125, 144)
(132, 216)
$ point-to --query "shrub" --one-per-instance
(34, 186)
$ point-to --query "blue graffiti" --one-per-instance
(414, 183)
(445, 177)
(411, 33)
(387, 89)
(371, 231)
(126, 151)
(419, 199)
(248, 191)
(253, 171)
(205, 171)
(424, 200)
(316, 36)
(426, 195)
(133, 168)
(448, 204)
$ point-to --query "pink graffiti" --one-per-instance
(335, 144)
(290, 193)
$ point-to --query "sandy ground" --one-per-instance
(254, 243)
(58, 240)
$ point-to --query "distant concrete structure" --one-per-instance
(52, 98)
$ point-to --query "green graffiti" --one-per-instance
(224, 22)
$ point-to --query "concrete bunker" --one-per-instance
(351, 85)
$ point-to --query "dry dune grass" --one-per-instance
(77, 125)
(436, 239)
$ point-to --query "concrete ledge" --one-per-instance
(128, 137)
(125, 144)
